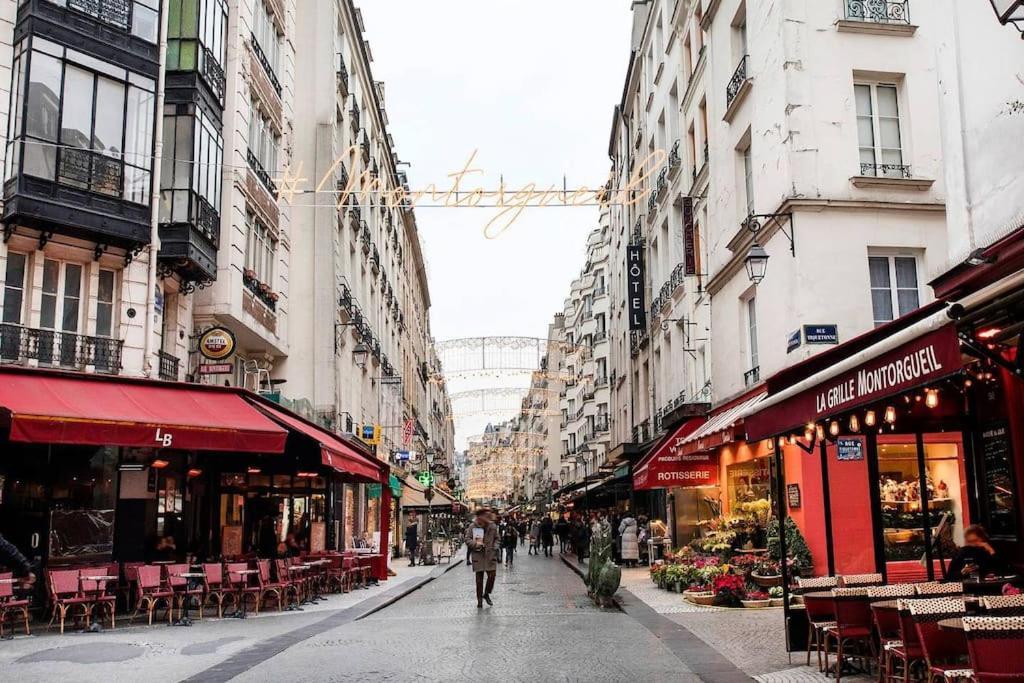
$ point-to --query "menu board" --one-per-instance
(231, 541)
(317, 537)
(999, 481)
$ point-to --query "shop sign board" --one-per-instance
(821, 334)
(670, 466)
(929, 358)
(793, 342)
(217, 343)
(793, 496)
(689, 238)
(849, 449)
(635, 287)
(216, 369)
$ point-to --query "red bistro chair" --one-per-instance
(852, 629)
(98, 590)
(179, 584)
(996, 646)
(131, 579)
(66, 597)
(269, 588)
(887, 623)
(150, 591)
(860, 580)
(821, 616)
(284, 580)
(1004, 606)
(944, 650)
(337, 577)
(214, 588)
(938, 589)
(10, 605)
(908, 653)
(241, 586)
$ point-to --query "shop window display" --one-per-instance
(749, 481)
(908, 522)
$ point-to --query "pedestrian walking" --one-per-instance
(534, 537)
(509, 538)
(547, 535)
(629, 536)
(412, 537)
(582, 541)
(482, 540)
(562, 531)
(522, 530)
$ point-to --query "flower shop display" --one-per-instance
(756, 600)
(729, 589)
(777, 596)
(796, 546)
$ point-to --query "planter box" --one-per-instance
(778, 602)
(756, 604)
(705, 598)
(766, 581)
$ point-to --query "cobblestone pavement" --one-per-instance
(542, 627)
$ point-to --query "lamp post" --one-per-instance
(756, 261)
(1010, 12)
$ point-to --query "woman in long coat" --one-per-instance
(628, 535)
(482, 541)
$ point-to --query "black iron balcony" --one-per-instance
(364, 237)
(66, 350)
(752, 376)
(169, 366)
(354, 117)
(375, 259)
(189, 248)
(886, 170)
(212, 73)
(739, 77)
(601, 424)
(261, 173)
(261, 57)
(879, 11)
(364, 148)
(261, 290)
(342, 77)
(675, 161)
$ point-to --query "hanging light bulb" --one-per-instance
(833, 428)
(968, 383)
(820, 431)
(809, 434)
(870, 418)
(854, 423)
(931, 398)
(781, 443)
(890, 414)
(792, 439)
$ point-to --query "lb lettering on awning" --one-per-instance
(918, 362)
(668, 466)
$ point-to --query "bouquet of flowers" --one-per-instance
(729, 590)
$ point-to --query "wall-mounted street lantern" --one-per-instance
(756, 261)
(359, 354)
(1010, 12)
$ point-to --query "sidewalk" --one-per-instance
(753, 640)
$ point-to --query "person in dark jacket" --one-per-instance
(12, 558)
(547, 535)
(562, 531)
(582, 541)
(509, 538)
(412, 537)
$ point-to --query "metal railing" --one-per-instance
(668, 289)
(342, 77)
(674, 158)
(90, 170)
(886, 170)
(113, 12)
(213, 73)
(59, 349)
(261, 57)
(261, 173)
(879, 11)
(739, 77)
(752, 376)
(169, 366)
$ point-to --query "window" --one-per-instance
(894, 288)
(878, 131)
(752, 332)
(263, 141)
(196, 39)
(264, 31)
(105, 303)
(748, 180)
(87, 124)
(62, 296)
(260, 249)
(142, 17)
(14, 287)
(193, 155)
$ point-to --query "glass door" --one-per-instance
(60, 314)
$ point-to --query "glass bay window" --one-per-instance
(191, 182)
(196, 40)
(141, 18)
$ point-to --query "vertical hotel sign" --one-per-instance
(635, 287)
(689, 239)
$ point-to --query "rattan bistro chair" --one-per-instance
(938, 589)
(996, 646)
(944, 650)
(1004, 605)
(852, 633)
(9, 605)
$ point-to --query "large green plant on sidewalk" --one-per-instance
(603, 575)
(796, 545)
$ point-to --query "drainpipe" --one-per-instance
(154, 228)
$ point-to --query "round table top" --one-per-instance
(9, 580)
(818, 594)
(190, 575)
(244, 571)
(298, 568)
(103, 577)
(991, 580)
(165, 562)
(889, 604)
(955, 624)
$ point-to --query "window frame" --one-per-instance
(259, 237)
(877, 149)
(20, 289)
(893, 288)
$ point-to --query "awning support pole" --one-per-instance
(826, 501)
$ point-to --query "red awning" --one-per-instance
(665, 466)
(888, 369)
(335, 453)
(91, 410)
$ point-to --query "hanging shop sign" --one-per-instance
(793, 342)
(848, 450)
(929, 358)
(689, 238)
(821, 334)
(426, 478)
(373, 491)
(216, 368)
(635, 287)
(407, 431)
(370, 434)
(217, 343)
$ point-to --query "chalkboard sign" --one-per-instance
(793, 495)
(849, 449)
(999, 480)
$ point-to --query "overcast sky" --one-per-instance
(530, 85)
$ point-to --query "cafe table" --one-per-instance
(191, 579)
(953, 624)
(371, 561)
(242, 614)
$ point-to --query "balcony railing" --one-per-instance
(739, 77)
(261, 173)
(168, 366)
(90, 170)
(59, 349)
(668, 289)
(261, 57)
(213, 73)
(601, 424)
(674, 158)
(342, 77)
(752, 376)
(886, 170)
(113, 12)
(879, 11)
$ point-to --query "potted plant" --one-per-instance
(777, 595)
(700, 594)
(766, 573)
(796, 546)
(756, 600)
(729, 590)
